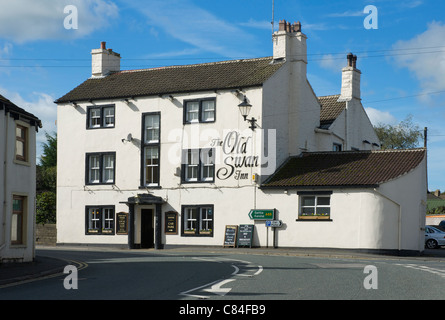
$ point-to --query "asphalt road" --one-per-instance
(197, 275)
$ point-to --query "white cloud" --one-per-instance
(186, 22)
(328, 61)
(42, 106)
(380, 117)
(424, 56)
(24, 20)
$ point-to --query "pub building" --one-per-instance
(177, 155)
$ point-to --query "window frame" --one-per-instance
(24, 141)
(21, 220)
(100, 220)
(101, 168)
(200, 110)
(201, 165)
(102, 117)
(316, 196)
(198, 231)
(145, 144)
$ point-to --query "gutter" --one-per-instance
(399, 217)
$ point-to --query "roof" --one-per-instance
(330, 109)
(345, 169)
(14, 109)
(175, 79)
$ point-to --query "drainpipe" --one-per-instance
(399, 217)
(5, 171)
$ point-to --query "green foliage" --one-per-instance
(436, 210)
(46, 207)
(405, 135)
(49, 155)
(46, 182)
(46, 178)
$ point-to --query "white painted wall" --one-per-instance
(16, 179)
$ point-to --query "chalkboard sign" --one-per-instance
(230, 236)
(245, 235)
(171, 222)
(121, 223)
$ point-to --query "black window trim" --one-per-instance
(87, 168)
(200, 100)
(150, 144)
(197, 233)
(100, 232)
(200, 165)
(101, 107)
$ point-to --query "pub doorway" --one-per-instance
(147, 228)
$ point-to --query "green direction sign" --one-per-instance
(261, 214)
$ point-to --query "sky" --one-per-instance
(45, 50)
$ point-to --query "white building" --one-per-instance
(18, 182)
(162, 156)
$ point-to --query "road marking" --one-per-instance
(216, 288)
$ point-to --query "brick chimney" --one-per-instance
(289, 42)
(350, 82)
(104, 61)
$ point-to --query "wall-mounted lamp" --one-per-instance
(244, 108)
(74, 104)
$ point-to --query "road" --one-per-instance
(225, 275)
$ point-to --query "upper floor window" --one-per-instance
(200, 110)
(100, 168)
(150, 171)
(21, 143)
(198, 165)
(100, 117)
(336, 147)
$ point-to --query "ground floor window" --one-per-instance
(315, 206)
(18, 219)
(99, 220)
(197, 220)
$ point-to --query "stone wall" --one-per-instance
(46, 234)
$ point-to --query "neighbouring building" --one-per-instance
(18, 182)
(163, 156)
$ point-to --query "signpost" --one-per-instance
(262, 214)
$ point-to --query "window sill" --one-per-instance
(150, 187)
(313, 219)
(21, 162)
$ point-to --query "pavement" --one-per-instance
(43, 266)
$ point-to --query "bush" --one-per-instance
(436, 210)
(46, 207)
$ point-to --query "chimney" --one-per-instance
(104, 61)
(289, 42)
(350, 83)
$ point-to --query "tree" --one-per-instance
(405, 135)
(46, 181)
(49, 156)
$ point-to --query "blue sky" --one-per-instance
(402, 61)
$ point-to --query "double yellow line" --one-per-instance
(80, 265)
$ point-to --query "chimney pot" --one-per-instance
(349, 57)
(354, 61)
(103, 45)
(282, 25)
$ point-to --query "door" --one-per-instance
(147, 229)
